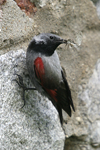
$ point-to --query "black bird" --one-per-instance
(46, 73)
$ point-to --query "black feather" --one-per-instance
(68, 91)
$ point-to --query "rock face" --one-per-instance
(98, 8)
(76, 20)
(89, 106)
(15, 26)
(97, 4)
(90, 101)
(32, 127)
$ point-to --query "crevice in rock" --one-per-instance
(76, 143)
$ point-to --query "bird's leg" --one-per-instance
(21, 84)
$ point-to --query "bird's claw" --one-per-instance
(20, 81)
(21, 84)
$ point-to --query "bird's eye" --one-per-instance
(51, 37)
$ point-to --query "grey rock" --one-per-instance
(15, 26)
(97, 4)
(36, 126)
(39, 3)
(90, 100)
(90, 96)
(89, 107)
(98, 8)
(94, 1)
(42, 3)
(76, 20)
(95, 133)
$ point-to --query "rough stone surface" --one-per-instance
(42, 3)
(15, 26)
(76, 20)
(36, 126)
(90, 98)
(89, 106)
(94, 1)
(98, 8)
(97, 4)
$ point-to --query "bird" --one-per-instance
(46, 73)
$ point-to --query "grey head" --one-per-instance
(45, 43)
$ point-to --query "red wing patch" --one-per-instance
(52, 93)
(39, 68)
(40, 73)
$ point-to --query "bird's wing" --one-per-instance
(43, 80)
(58, 90)
(64, 95)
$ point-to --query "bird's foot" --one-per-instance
(21, 84)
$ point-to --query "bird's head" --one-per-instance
(46, 43)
